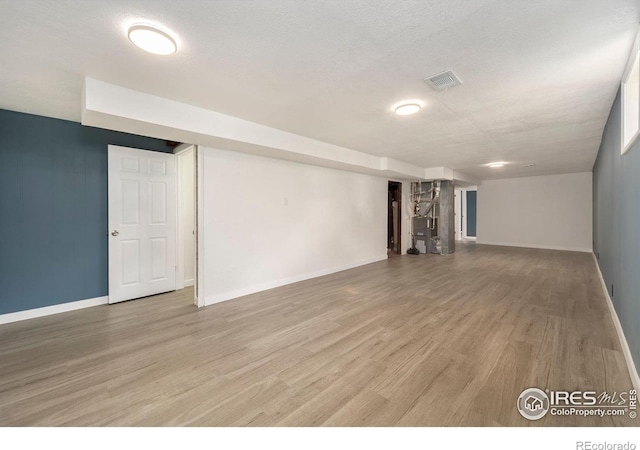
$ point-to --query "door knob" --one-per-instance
(115, 233)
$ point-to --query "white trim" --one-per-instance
(457, 213)
(183, 148)
(200, 234)
(179, 240)
(210, 300)
(180, 151)
(633, 372)
(463, 218)
(543, 247)
(464, 207)
(53, 309)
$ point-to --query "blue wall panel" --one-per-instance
(616, 216)
(53, 209)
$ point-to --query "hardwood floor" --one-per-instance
(411, 341)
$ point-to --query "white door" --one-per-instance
(142, 223)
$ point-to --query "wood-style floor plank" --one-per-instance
(412, 341)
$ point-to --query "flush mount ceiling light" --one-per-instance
(407, 108)
(152, 39)
(496, 164)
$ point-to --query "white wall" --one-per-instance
(268, 222)
(187, 213)
(553, 211)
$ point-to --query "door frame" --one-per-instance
(457, 211)
(199, 285)
(464, 212)
(179, 151)
(180, 247)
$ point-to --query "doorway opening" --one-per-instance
(394, 219)
(153, 237)
(471, 202)
(466, 200)
(187, 267)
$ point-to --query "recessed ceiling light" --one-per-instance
(406, 109)
(152, 40)
(496, 164)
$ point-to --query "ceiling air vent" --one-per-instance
(443, 80)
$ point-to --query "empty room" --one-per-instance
(319, 213)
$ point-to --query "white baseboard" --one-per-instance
(217, 298)
(188, 283)
(633, 372)
(543, 247)
(53, 309)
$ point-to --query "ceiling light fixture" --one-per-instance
(152, 40)
(496, 164)
(406, 109)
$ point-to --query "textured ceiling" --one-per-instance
(539, 77)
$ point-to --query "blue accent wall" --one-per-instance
(472, 202)
(616, 230)
(53, 209)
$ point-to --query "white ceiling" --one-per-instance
(539, 77)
